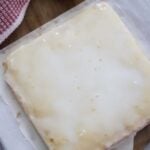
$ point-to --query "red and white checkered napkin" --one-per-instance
(11, 15)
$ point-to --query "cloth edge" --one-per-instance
(15, 24)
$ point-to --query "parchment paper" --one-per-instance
(136, 16)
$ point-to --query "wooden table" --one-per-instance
(42, 11)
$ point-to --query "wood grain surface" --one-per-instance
(42, 11)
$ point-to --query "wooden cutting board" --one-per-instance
(42, 11)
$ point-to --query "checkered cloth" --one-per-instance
(11, 15)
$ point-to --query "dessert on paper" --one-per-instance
(85, 83)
